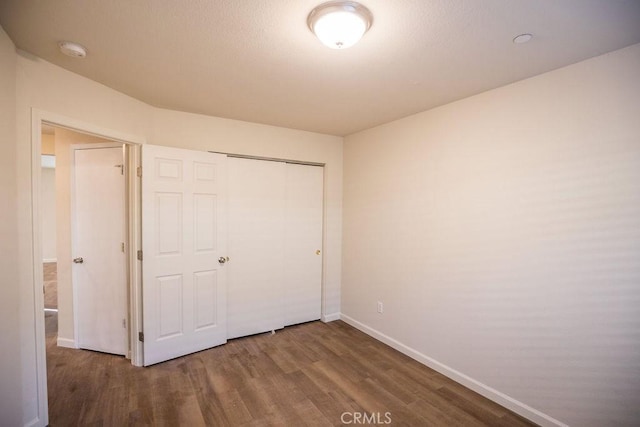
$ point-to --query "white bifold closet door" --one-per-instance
(255, 271)
(275, 241)
(303, 243)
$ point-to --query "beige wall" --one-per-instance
(11, 329)
(48, 144)
(48, 200)
(48, 213)
(501, 233)
(63, 140)
(43, 86)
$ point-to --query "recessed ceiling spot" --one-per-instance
(522, 38)
(339, 24)
(72, 49)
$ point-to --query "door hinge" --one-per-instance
(139, 171)
(122, 246)
(140, 255)
(141, 336)
(124, 323)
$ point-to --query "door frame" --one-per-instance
(74, 232)
(132, 144)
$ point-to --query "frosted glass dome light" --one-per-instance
(339, 24)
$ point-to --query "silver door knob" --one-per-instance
(222, 260)
(78, 260)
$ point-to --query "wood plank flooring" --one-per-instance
(309, 374)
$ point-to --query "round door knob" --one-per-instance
(222, 260)
(78, 260)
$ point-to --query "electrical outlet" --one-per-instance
(380, 307)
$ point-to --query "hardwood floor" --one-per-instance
(310, 374)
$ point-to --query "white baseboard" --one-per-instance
(36, 422)
(66, 342)
(486, 391)
(45, 260)
(326, 318)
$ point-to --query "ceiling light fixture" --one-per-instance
(72, 49)
(339, 24)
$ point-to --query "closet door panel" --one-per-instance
(303, 243)
(256, 221)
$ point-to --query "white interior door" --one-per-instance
(256, 246)
(303, 243)
(99, 269)
(183, 238)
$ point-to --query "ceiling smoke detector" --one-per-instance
(339, 24)
(522, 38)
(72, 49)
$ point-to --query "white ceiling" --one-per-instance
(256, 60)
